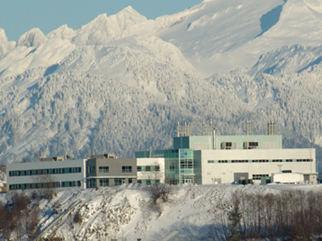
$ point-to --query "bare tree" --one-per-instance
(158, 191)
(46, 187)
(16, 219)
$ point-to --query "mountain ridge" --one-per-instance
(120, 83)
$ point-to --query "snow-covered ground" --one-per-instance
(192, 211)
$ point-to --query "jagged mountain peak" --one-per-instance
(104, 29)
(63, 32)
(4, 44)
(130, 11)
(32, 38)
(3, 37)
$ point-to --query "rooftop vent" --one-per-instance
(271, 128)
(184, 130)
(249, 128)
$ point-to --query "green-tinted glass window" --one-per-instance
(118, 181)
(104, 182)
(104, 169)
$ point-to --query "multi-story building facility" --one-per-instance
(55, 172)
(206, 159)
(212, 159)
(107, 170)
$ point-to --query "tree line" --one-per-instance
(289, 215)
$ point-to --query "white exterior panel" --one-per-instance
(214, 171)
(150, 175)
(30, 179)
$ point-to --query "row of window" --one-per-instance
(105, 182)
(50, 171)
(246, 161)
(148, 168)
(259, 176)
(44, 185)
(148, 181)
(106, 169)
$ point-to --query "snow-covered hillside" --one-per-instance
(127, 213)
(122, 82)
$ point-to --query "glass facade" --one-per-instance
(179, 164)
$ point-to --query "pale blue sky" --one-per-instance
(19, 16)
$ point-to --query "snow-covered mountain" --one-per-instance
(120, 83)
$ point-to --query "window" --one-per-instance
(186, 164)
(211, 161)
(118, 181)
(92, 183)
(104, 169)
(126, 168)
(104, 182)
(157, 168)
(148, 182)
(139, 168)
(223, 161)
(304, 160)
(259, 176)
(91, 169)
(147, 168)
(259, 160)
(130, 180)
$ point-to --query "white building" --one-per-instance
(226, 166)
(150, 170)
(214, 159)
(57, 172)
